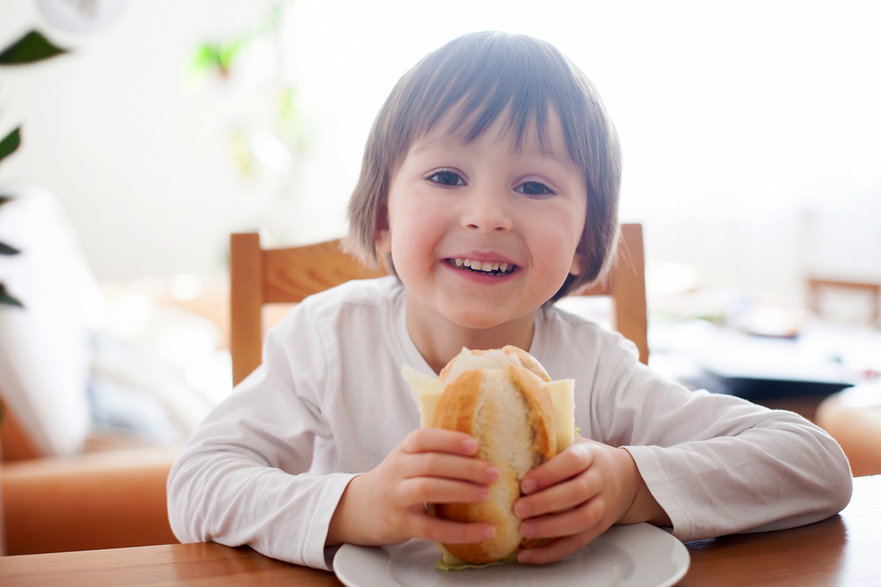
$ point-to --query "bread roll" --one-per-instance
(502, 398)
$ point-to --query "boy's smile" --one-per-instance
(483, 233)
(483, 265)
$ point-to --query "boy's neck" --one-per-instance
(438, 341)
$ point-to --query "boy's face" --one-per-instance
(482, 234)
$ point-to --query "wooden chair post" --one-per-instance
(246, 303)
(628, 289)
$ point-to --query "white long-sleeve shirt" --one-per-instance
(269, 464)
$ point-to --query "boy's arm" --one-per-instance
(241, 478)
(718, 464)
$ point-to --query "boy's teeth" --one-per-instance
(482, 266)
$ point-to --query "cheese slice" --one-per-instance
(562, 394)
(427, 391)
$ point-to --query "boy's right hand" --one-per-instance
(387, 504)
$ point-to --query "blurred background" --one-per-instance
(751, 139)
(751, 131)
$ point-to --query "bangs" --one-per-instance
(458, 86)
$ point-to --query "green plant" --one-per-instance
(31, 48)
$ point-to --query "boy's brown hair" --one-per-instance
(477, 78)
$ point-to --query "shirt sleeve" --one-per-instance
(718, 464)
(243, 479)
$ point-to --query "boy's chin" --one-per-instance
(482, 318)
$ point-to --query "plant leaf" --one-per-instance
(10, 143)
(7, 299)
(31, 48)
(8, 250)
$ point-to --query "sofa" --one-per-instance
(94, 406)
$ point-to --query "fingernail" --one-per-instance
(526, 529)
(521, 510)
(492, 473)
(469, 445)
(528, 486)
(489, 532)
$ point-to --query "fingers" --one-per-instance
(565, 465)
(561, 483)
(575, 497)
(586, 516)
(435, 466)
(420, 490)
(557, 498)
(558, 549)
(437, 530)
(433, 453)
(439, 440)
(449, 466)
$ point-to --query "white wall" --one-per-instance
(141, 164)
(751, 130)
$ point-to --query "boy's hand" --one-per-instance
(387, 504)
(578, 495)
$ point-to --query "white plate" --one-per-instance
(638, 555)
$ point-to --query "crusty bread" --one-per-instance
(470, 359)
(499, 397)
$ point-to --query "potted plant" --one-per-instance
(31, 48)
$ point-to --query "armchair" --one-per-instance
(103, 499)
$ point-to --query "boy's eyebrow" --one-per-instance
(422, 145)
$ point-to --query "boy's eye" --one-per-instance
(446, 178)
(534, 188)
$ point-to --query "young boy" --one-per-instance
(490, 185)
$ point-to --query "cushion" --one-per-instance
(45, 346)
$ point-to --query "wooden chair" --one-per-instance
(871, 291)
(261, 276)
(625, 284)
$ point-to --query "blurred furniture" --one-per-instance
(853, 418)
(62, 487)
(105, 499)
(841, 550)
(111, 497)
(871, 291)
(261, 276)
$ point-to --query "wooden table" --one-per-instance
(843, 550)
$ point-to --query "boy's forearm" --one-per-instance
(340, 529)
(644, 507)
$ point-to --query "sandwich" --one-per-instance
(505, 399)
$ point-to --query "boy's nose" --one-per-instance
(487, 211)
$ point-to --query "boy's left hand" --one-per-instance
(578, 495)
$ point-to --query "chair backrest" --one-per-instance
(261, 276)
(870, 291)
(625, 284)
